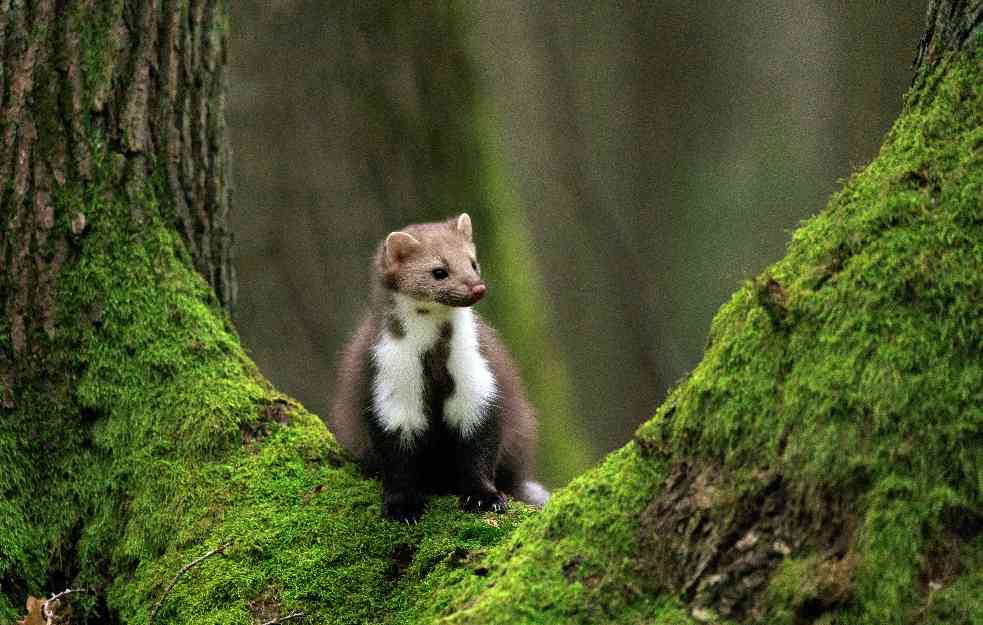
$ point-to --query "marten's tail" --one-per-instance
(533, 493)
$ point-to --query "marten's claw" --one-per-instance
(493, 501)
(402, 508)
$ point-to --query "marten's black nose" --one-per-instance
(478, 291)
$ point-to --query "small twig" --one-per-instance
(284, 619)
(49, 614)
(187, 567)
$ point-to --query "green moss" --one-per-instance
(570, 564)
(958, 601)
(96, 43)
(306, 531)
(807, 585)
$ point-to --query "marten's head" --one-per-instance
(433, 262)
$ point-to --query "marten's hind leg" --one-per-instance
(475, 458)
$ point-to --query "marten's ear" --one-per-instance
(399, 245)
(463, 225)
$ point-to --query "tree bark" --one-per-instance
(137, 90)
(822, 464)
(950, 25)
(113, 118)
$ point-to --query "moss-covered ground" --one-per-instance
(145, 437)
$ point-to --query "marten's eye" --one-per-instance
(439, 273)
(474, 265)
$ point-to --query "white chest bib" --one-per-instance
(398, 386)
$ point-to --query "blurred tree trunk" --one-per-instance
(822, 463)
(389, 127)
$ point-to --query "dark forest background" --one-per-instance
(627, 165)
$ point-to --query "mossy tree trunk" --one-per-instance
(823, 463)
(112, 135)
(128, 100)
(127, 96)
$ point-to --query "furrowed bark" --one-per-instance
(951, 25)
(138, 84)
(102, 103)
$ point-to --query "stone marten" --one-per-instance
(427, 395)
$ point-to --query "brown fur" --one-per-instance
(518, 421)
(353, 390)
(441, 244)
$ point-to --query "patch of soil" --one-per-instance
(265, 607)
(402, 558)
(273, 412)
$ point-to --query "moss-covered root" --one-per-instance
(573, 563)
(824, 463)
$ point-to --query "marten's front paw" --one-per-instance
(402, 508)
(494, 501)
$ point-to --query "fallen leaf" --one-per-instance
(35, 614)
